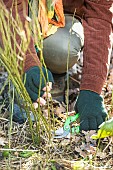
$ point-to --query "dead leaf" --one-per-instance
(2, 141)
(59, 111)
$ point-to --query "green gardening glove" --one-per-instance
(32, 81)
(91, 108)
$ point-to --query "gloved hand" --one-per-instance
(92, 111)
(32, 81)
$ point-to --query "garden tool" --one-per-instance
(63, 132)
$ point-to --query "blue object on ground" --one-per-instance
(19, 114)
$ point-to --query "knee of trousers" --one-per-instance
(63, 47)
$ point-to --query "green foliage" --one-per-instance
(11, 55)
(25, 154)
(106, 130)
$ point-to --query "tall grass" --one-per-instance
(11, 55)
